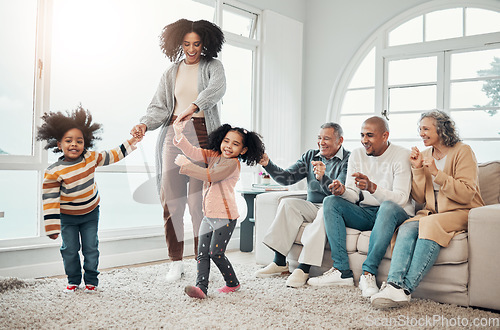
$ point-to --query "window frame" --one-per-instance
(38, 161)
(383, 53)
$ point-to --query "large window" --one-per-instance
(105, 56)
(17, 67)
(446, 57)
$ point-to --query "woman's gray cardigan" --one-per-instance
(211, 88)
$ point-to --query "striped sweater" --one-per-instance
(70, 188)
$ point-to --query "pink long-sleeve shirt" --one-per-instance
(220, 178)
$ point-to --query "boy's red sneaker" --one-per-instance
(89, 288)
(71, 288)
(195, 292)
(227, 289)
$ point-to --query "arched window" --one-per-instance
(441, 55)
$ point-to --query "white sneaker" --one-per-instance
(176, 271)
(331, 277)
(368, 285)
(297, 279)
(272, 270)
(390, 297)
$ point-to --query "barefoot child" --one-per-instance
(70, 195)
(227, 145)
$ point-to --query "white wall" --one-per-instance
(295, 9)
(333, 31)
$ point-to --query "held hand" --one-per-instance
(134, 140)
(53, 236)
(364, 183)
(186, 114)
(178, 128)
(429, 163)
(336, 187)
(264, 161)
(319, 169)
(181, 160)
(415, 158)
(138, 131)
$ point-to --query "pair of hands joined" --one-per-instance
(139, 130)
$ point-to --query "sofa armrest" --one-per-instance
(266, 205)
(484, 257)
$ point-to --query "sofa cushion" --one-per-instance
(456, 253)
(489, 182)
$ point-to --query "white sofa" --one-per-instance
(466, 272)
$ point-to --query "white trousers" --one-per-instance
(292, 212)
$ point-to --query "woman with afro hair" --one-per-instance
(70, 195)
(189, 90)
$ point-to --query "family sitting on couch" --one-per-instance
(375, 195)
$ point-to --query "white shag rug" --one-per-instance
(139, 297)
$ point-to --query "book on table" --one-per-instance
(269, 187)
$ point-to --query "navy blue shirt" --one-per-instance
(336, 169)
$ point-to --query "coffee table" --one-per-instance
(246, 226)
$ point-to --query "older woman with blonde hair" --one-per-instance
(445, 179)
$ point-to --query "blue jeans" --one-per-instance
(412, 257)
(381, 220)
(72, 228)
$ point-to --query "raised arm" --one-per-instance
(224, 169)
(194, 153)
(112, 156)
(291, 175)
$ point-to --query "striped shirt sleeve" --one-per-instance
(114, 155)
(51, 198)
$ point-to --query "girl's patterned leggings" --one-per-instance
(213, 239)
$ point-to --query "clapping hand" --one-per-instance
(416, 159)
(364, 183)
(429, 163)
(319, 169)
(336, 187)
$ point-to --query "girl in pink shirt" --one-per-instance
(219, 168)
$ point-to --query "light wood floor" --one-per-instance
(235, 256)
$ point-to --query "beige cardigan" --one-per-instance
(459, 193)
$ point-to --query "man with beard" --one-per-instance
(376, 197)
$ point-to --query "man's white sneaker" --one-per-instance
(176, 271)
(368, 285)
(390, 297)
(297, 279)
(272, 270)
(331, 277)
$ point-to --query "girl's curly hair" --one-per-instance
(445, 126)
(56, 124)
(172, 37)
(251, 140)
